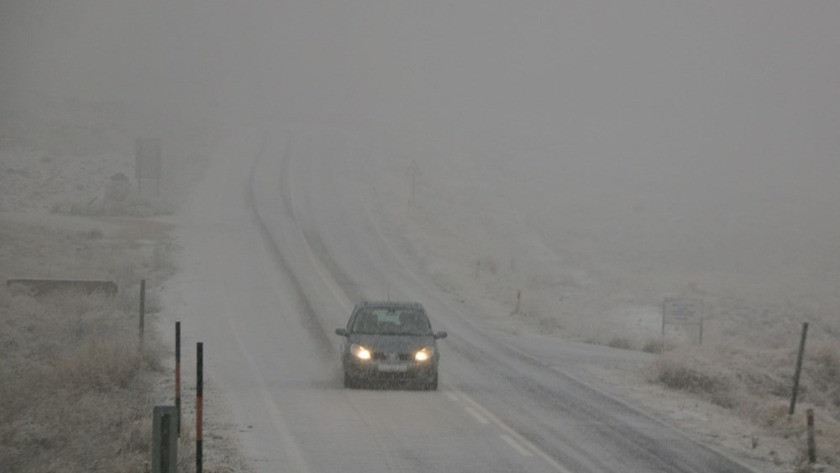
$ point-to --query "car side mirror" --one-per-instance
(440, 335)
(341, 331)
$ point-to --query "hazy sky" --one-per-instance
(645, 71)
(724, 112)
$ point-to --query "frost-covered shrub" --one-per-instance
(622, 343)
(675, 374)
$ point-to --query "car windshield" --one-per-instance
(391, 321)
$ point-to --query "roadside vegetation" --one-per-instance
(748, 367)
(76, 387)
(76, 390)
(467, 232)
(744, 367)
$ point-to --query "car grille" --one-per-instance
(379, 355)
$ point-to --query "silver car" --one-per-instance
(390, 342)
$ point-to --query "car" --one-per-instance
(390, 342)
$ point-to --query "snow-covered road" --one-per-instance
(281, 239)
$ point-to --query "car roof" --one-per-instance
(390, 304)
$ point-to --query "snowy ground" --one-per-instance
(466, 224)
(487, 228)
(70, 219)
(543, 176)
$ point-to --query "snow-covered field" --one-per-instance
(66, 363)
(556, 169)
(489, 226)
(480, 236)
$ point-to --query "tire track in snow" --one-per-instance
(308, 316)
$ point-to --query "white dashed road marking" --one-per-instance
(513, 443)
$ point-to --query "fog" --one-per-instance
(701, 136)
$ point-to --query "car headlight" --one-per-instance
(424, 354)
(360, 352)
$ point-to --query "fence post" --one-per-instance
(142, 309)
(178, 373)
(199, 407)
(812, 443)
(798, 369)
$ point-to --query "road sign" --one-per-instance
(682, 311)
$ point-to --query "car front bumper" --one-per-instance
(383, 370)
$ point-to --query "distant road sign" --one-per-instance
(682, 311)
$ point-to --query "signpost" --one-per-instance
(682, 311)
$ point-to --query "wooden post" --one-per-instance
(178, 374)
(199, 407)
(798, 369)
(812, 443)
(142, 309)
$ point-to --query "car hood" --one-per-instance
(393, 343)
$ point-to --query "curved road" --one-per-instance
(280, 240)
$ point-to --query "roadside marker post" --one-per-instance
(164, 440)
(199, 406)
(142, 310)
(812, 442)
(178, 373)
(798, 368)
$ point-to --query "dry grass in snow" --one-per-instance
(75, 388)
(76, 392)
(485, 236)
